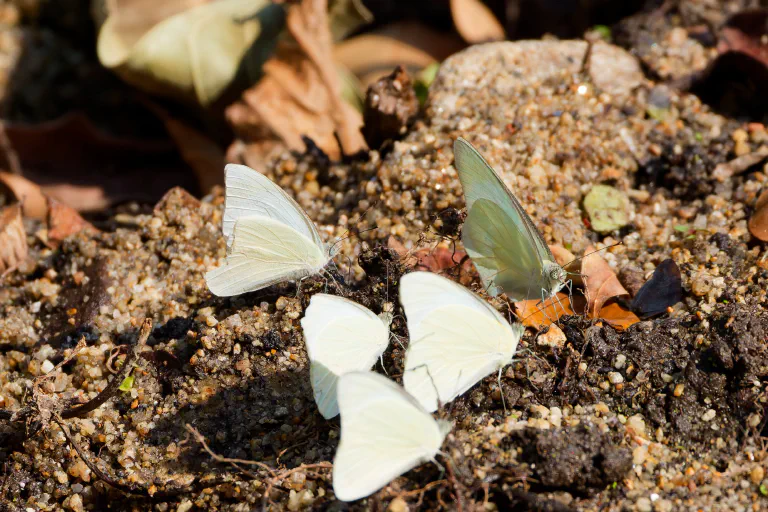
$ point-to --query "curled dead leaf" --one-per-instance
(13, 239)
(301, 94)
(30, 196)
(600, 281)
(476, 22)
(64, 221)
(410, 44)
(758, 223)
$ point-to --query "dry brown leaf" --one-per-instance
(410, 44)
(476, 22)
(600, 282)
(64, 221)
(300, 93)
(758, 223)
(30, 196)
(76, 163)
(13, 238)
(435, 260)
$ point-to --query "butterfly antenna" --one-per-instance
(589, 254)
(501, 392)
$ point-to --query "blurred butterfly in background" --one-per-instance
(341, 336)
(384, 433)
(506, 248)
(456, 338)
(270, 239)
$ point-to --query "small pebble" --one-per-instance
(397, 505)
(643, 505)
(709, 415)
(620, 361)
(679, 388)
(615, 378)
(757, 474)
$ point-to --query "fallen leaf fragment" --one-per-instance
(600, 282)
(32, 199)
(758, 223)
(475, 22)
(618, 316)
(64, 221)
(300, 94)
(13, 238)
(745, 33)
(607, 207)
(662, 290)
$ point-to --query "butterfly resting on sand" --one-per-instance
(506, 248)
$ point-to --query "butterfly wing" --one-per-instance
(384, 433)
(421, 292)
(264, 252)
(341, 336)
(452, 349)
(481, 184)
(662, 290)
(250, 193)
(503, 257)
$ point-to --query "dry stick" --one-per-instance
(234, 462)
(114, 385)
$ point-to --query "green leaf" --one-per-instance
(763, 489)
(603, 31)
(423, 80)
(659, 114)
(682, 228)
(127, 384)
(607, 208)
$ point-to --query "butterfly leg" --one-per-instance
(501, 392)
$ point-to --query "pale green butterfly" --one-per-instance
(507, 250)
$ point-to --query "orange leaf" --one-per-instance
(600, 282)
(64, 221)
(475, 22)
(434, 260)
(25, 192)
(758, 223)
(536, 315)
(617, 316)
(13, 238)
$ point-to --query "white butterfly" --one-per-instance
(269, 237)
(341, 336)
(384, 433)
(456, 338)
(506, 248)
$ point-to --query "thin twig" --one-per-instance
(114, 385)
(234, 462)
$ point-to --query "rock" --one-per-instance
(398, 505)
(701, 284)
(390, 108)
(553, 338)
